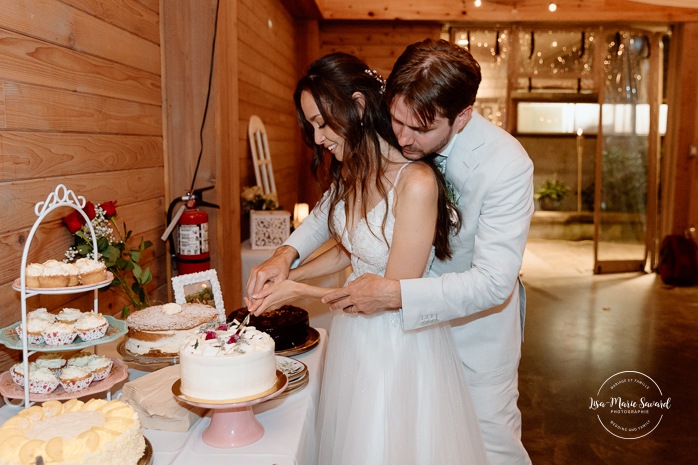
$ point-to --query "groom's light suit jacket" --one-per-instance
(478, 290)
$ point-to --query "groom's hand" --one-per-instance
(272, 271)
(367, 294)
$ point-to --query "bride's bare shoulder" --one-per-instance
(417, 179)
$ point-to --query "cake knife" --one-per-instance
(242, 325)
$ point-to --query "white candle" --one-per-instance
(300, 212)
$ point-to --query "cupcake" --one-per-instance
(54, 275)
(41, 314)
(74, 378)
(59, 334)
(51, 360)
(91, 326)
(73, 274)
(68, 315)
(81, 359)
(91, 271)
(100, 367)
(35, 330)
(33, 273)
(17, 372)
(42, 381)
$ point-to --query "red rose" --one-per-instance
(73, 222)
(109, 208)
(90, 210)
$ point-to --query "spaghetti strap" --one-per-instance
(397, 176)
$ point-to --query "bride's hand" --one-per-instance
(273, 297)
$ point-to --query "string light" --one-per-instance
(552, 7)
(478, 3)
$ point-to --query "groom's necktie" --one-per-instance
(451, 191)
(441, 163)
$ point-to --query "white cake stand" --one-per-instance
(233, 423)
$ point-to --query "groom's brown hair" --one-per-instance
(434, 77)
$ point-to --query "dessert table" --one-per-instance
(289, 425)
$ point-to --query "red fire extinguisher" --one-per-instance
(192, 237)
(190, 244)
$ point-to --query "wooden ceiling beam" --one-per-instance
(303, 9)
(501, 11)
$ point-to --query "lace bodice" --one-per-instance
(368, 248)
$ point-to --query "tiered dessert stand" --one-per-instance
(61, 197)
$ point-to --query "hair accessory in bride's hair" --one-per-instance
(374, 74)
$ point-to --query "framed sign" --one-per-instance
(201, 287)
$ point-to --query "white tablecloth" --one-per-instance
(289, 426)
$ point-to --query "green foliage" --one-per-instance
(552, 189)
(253, 198)
(624, 186)
(121, 259)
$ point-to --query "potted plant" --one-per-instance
(551, 193)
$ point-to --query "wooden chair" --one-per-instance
(263, 172)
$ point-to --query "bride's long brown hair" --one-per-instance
(332, 81)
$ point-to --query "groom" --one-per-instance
(430, 93)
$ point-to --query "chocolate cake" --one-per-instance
(288, 326)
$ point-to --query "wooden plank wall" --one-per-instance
(80, 104)
(272, 60)
(268, 71)
(187, 41)
(379, 43)
(255, 72)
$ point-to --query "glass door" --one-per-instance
(586, 103)
(626, 153)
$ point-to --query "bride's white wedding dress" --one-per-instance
(390, 396)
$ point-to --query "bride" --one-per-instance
(388, 396)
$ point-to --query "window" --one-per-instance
(568, 118)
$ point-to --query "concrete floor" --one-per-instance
(583, 328)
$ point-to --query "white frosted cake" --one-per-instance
(97, 432)
(162, 329)
(220, 365)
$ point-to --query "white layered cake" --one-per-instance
(162, 329)
(220, 365)
(96, 432)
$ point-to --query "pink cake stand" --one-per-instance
(233, 423)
